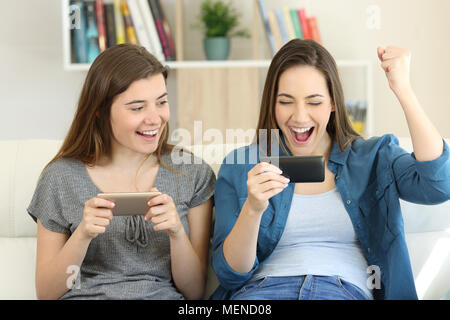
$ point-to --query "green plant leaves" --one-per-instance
(219, 18)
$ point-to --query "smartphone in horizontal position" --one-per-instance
(129, 203)
(299, 168)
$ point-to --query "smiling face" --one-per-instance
(139, 115)
(302, 110)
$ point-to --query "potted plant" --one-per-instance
(219, 20)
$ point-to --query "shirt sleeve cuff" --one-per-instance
(437, 169)
(229, 278)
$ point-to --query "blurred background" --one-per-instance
(39, 94)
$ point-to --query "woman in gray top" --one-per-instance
(118, 143)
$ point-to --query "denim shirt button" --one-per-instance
(368, 250)
(349, 201)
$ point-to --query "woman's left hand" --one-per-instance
(395, 62)
(163, 214)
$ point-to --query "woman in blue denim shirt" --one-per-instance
(342, 238)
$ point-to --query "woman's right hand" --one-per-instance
(96, 217)
(264, 181)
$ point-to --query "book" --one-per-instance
(167, 31)
(314, 29)
(129, 27)
(282, 26)
(275, 30)
(79, 39)
(91, 32)
(147, 17)
(110, 25)
(263, 13)
(304, 23)
(288, 22)
(101, 25)
(159, 27)
(139, 26)
(118, 20)
(296, 24)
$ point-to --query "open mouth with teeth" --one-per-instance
(301, 135)
(148, 135)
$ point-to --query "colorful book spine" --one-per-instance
(79, 39)
(159, 27)
(263, 13)
(110, 25)
(101, 25)
(120, 26)
(91, 32)
(288, 22)
(296, 24)
(139, 26)
(314, 29)
(304, 23)
(129, 27)
(282, 26)
(167, 31)
(275, 30)
(151, 29)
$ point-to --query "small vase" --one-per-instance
(217, 48)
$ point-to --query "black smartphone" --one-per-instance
(299, 168)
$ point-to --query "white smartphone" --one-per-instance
(129, 203)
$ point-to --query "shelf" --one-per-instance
(201, 84)
(222, 64)
(190, 64)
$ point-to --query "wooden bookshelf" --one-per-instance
(206, 89)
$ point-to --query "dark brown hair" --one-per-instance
(309, 53)
(113, 71)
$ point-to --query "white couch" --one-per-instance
(427, 227)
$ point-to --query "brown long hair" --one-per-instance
(310, 53)
(113, 71)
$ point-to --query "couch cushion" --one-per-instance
(425, 218)
(430, 259)
(7, 171)
(17, 270)
(22, 164)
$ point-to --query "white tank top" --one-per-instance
(318, 239)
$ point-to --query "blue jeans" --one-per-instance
(307, 287)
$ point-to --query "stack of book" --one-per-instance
(284, 24)
(104, 24)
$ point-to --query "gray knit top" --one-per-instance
(130, 260)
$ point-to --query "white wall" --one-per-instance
(39, 97)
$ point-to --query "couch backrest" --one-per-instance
(21, 164)
(23, 160)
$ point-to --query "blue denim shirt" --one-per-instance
(371, 176)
